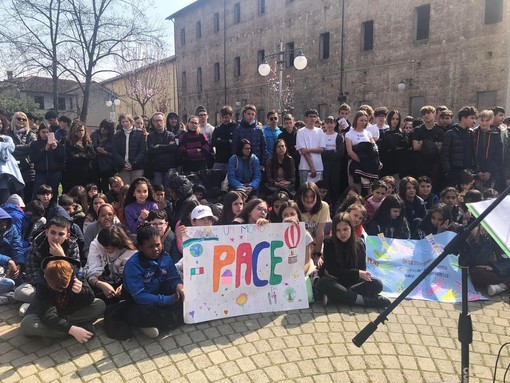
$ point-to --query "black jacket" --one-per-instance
(488, 147)
(47, 161)
(457, 151)
(222, 141)
(163, 151)
(137, 150)
(52, 307)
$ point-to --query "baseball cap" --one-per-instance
(202, 211)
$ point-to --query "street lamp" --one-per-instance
(264, 69)
(113, 104)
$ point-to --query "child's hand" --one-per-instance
(181, 233)
(56, 249)
(293, 220)
(365, 275)
(262, 222)
(444, 226)
(179, 291)
(77, 285)
(107, 289)
(118, 291)
(13, 270)
(144, 214)
(80, 334)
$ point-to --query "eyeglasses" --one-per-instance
(158, 224)
(273, 118)
(21, 119)
(262, 209)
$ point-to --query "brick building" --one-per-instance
(399, 53)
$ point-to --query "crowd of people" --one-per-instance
(93, 225)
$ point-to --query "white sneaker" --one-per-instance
(23, 309)
(151, 332)
(494, 289)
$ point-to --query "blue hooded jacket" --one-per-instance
(10, 240)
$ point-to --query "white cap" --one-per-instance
(15, 199)
(202, 211)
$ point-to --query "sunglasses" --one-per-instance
(21, 119)
(273, 118)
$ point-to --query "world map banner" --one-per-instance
(243, 269)
(397, 263)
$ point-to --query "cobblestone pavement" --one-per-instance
(417, 344)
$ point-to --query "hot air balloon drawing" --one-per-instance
(292, 238)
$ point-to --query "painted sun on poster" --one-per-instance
(243, 269)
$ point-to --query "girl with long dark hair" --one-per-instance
(345, 279)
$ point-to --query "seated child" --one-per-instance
(372, 203)
(152, 286)
(56, 240)
(391, 183)
(425, 192)
(45, 195)
(63, 304)
(11, 246)
(159, 220)
(8, 269)
(358, 215)
(435, 222)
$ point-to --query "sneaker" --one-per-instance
(10, 296)
(4, 300)
(324, 300)
(23, 309)
(494, 289)
(151, 332)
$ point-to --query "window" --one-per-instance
(183, 80)
(422, 22)
(216, 22)
(262, 7)
(260, 57)
(367, 35)
(183, 36)
(40, 101)
(237, 66)
(216, 71)
(62, 103)
(289, 57)
(493, 11)
(415, 104)
(324, 46)
(237, 13)
(199, 29)
(199, 79)
(486, 100)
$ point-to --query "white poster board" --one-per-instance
(243, 269)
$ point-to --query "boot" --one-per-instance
(378, 301)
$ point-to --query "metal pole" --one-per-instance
(280, 69)
(342, 56)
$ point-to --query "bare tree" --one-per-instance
(146, 77)
(33, 37)
(99, 30)
(76, 38)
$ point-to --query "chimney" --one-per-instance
(10, 75)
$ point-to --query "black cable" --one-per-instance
(496, 365)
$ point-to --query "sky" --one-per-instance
(163, 9)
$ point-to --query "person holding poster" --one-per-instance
(344, 278)
(152, 286)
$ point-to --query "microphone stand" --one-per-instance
(456, 246)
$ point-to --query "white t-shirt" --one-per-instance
(331, 141)
(311, 139)
(357, 137)
(376, 132)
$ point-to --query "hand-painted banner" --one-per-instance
(496, 223)
(243, 269)
(397, 262)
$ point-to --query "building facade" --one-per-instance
(399, 53)
(145, 90)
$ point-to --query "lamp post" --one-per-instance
(300, 63)
(113, 104)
